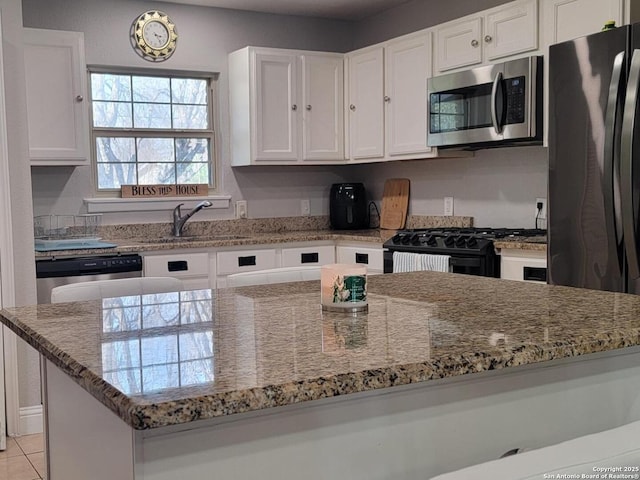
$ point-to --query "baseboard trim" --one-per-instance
(31, 420)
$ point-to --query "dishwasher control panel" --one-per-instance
(73, 267)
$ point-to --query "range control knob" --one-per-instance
(472, 242)
(415, 239)
(432, 241)
(461, 241)
(449, 241)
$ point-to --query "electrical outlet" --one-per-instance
(305, 207)
(448, 206)
(543, 211)
(241, 209)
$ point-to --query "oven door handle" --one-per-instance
(494, 107)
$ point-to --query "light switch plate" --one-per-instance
(448, 206)
(305, 207)
(241, 209)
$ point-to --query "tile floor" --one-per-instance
(23, 459)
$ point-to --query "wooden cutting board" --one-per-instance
(395, 203)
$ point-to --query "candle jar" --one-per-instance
(344, 287)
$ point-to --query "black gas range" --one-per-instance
(470, 250)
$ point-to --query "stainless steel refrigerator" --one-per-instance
(594, 161)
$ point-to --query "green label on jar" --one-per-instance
(352, 288)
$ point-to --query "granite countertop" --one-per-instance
(136, 238)
(155, 243)
(522, 243)
(174, 358)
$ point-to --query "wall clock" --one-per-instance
(154, 36)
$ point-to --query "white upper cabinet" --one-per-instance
(387, 97)
(57, 104)
(496, 33)
(366, 103)
(568, 19)
(323, 101)
(274, 107)
(286, 106)
(407, 67)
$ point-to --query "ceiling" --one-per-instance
(336, 9)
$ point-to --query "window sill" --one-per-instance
(111, 205)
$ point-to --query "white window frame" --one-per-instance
(103, 201)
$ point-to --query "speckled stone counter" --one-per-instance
(175, 358)
(137, 238)
(522, 243)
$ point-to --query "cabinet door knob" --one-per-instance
(474, 43)
(487, 38)
(79, 98)
(387, 98)
(352, 107)
(294, 107)
(308, 107)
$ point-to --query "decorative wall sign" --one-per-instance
(151, 191)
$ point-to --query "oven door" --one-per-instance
(486, 265)
(483, 105)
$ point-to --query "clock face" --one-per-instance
(154, 36)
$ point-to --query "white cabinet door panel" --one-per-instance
(245, 261)
(369, 256)
(58, 115)
(312, 255)
(366, 105)
(276, 110)
(407, 67)
(511, 30)
(323, 101)
(459, 44)
(568, 19)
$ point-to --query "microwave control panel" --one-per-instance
(515, 89)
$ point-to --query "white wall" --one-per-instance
(498, 187)
(207, 35)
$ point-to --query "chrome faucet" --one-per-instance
(179, 221)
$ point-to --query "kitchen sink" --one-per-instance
(192, 238)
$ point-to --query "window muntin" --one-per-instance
(151, 129)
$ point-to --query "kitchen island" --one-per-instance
(258, 381)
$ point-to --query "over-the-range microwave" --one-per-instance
(488, 106)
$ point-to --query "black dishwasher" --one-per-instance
(53, 272)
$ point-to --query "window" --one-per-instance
(150, 129)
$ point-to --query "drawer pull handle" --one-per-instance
(247, 261)
(178, 266)
(537, 274)
(309, 257)
(362, 258)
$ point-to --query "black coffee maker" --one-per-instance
(348, 206)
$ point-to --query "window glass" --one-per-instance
(151, 129)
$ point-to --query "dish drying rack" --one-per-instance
(59, 229)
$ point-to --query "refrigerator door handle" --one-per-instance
(494, 109)
(626, 167)
(611, 159)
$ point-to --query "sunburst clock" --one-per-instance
(154, 36)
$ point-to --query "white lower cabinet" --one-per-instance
(308, 256)
(191, 268)
(367, 255)
(246, 261)
(523, 265)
